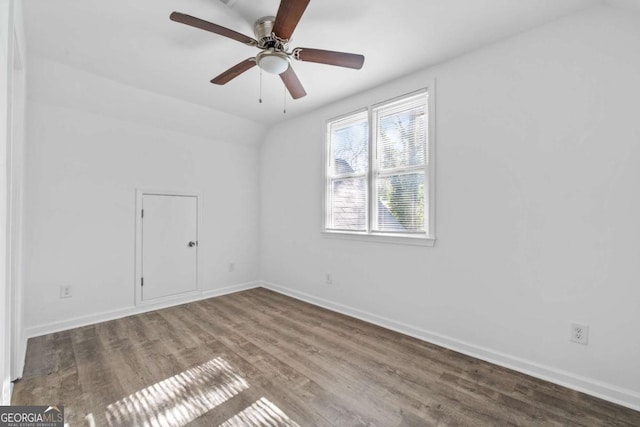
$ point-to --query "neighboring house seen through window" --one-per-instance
(379, 171)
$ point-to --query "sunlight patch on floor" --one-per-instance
(259, 414)
(178, 400)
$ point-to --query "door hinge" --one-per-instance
(142, 214)
(142, 281)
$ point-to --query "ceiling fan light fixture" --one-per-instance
(273, 62)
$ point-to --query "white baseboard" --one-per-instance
(76, 322)
(586, 385)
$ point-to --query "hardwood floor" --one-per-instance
(259, 358)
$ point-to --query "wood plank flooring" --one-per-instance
(258, 358)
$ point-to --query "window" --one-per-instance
(379, 172)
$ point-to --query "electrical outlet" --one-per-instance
(232, 267)
(65, 291)
(579, 333)
(328, 279)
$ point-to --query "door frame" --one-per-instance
(140, 193)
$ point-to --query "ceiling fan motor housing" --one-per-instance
(263, 30)
(264, 27)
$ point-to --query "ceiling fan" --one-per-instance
(272, 37)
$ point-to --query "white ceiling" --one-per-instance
(135, 43)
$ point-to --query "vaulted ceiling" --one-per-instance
(135, 43)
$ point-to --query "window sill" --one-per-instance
(394, 239)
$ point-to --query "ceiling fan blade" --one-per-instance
(210, 26)
(234, 71)
(329, 57)
(292, 83)
(288, 16)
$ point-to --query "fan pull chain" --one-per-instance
(284, 111)
(260, 99)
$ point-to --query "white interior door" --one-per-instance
(169, 245)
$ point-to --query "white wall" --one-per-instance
(5, 294)
(537, 209)
(12, 101)
(91, 143)
(16, 171)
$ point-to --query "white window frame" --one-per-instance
(426, 238)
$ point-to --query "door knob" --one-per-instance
(192, 244)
